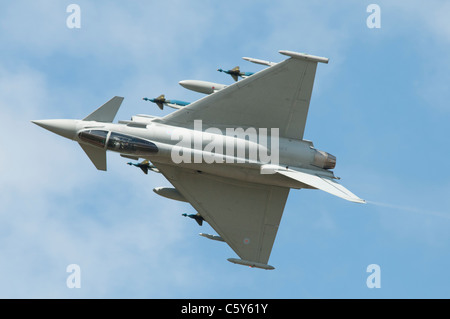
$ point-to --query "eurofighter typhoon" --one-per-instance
(233, 155)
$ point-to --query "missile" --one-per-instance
(199, 219)
(202, 86)
(250, 263)
(213, 237)
(236, 73)
(161, 101)
(258, 61)
(171, 193)
(145, 166)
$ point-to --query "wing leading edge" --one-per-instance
(245, 215)
(276, 97)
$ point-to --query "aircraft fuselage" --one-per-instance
(236, 153)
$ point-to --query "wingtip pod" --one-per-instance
(304, 56)
(251, 264)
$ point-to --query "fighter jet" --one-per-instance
(206, 150)
(236, 73)
(161, 101)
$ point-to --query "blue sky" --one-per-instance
(380, 105)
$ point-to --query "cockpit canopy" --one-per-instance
(118, 142)
(94, 137)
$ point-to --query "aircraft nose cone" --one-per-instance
(64, 128)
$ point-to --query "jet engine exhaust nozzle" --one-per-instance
(324, 160)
